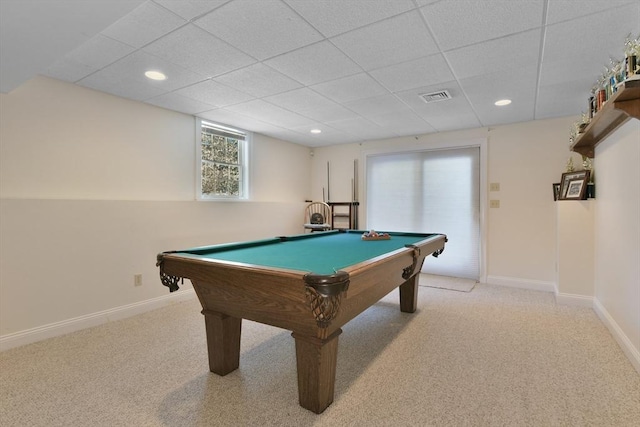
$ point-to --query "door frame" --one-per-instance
(480, 142)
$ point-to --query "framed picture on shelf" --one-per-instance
(556, 191)
(574, 185)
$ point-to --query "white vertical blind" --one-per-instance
(435, 191)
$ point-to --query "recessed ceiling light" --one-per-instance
(503, 102)
(316, 131)
(155, 75)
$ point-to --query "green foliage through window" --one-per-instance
(222, 160)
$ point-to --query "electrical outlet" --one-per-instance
(494, 186)
(137, 280)
(494, 203)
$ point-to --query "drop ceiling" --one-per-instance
(354, 69)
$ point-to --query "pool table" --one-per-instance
(311, 284)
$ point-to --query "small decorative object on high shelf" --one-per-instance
(631, 53)
(570, 167)
(587, 164)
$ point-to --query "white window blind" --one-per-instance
(435, 191)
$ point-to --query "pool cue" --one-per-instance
(328, 184)
(353, 190)
(355, 193)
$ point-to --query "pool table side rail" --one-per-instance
(433, 241)
(280, 297)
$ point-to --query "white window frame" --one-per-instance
(244, 162)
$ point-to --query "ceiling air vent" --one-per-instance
(440, 95)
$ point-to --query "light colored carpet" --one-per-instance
(444, 282)
(496, 356)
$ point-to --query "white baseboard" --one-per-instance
(632, 353)
(515, 282)
(51, 330)
(574, 299)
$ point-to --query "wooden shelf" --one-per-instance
(622, 106)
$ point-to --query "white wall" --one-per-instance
(617, 236)
(93, 186)
(575, 252)
(524, 158)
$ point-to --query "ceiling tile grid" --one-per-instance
(333, 17)
(397, 39)
(143, 25)
(261, 30)
(355, 68)
(197, 50)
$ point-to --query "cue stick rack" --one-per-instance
(344, 215)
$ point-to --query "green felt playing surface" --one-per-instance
(318, 253)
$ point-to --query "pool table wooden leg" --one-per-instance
(316, 363)
(223, 341)
(409, 295)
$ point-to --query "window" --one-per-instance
(222, 153)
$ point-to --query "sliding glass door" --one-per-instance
(435, 191)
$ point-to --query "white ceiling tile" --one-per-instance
(214, 93)
(398, 39)
(485, 50)
(564, 10)
(176, 102)
(403, 123)
(67, 70)
(453, 118)
(190, 9)
(197, 50)
(258, 80)
(563, 71)
(337, 16)
(145, 24)
(377, 105)
(313, 64)
(484, 91)
(262, 32)
(568, 40)
(498, 56)
(36, 34)
(419, 72)
(126, 77)
(302, 99)
(358, 126)
(326, 114)
(457, 23)
(574, 100)
(350, 88)
(99, 51)
(270, 113)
